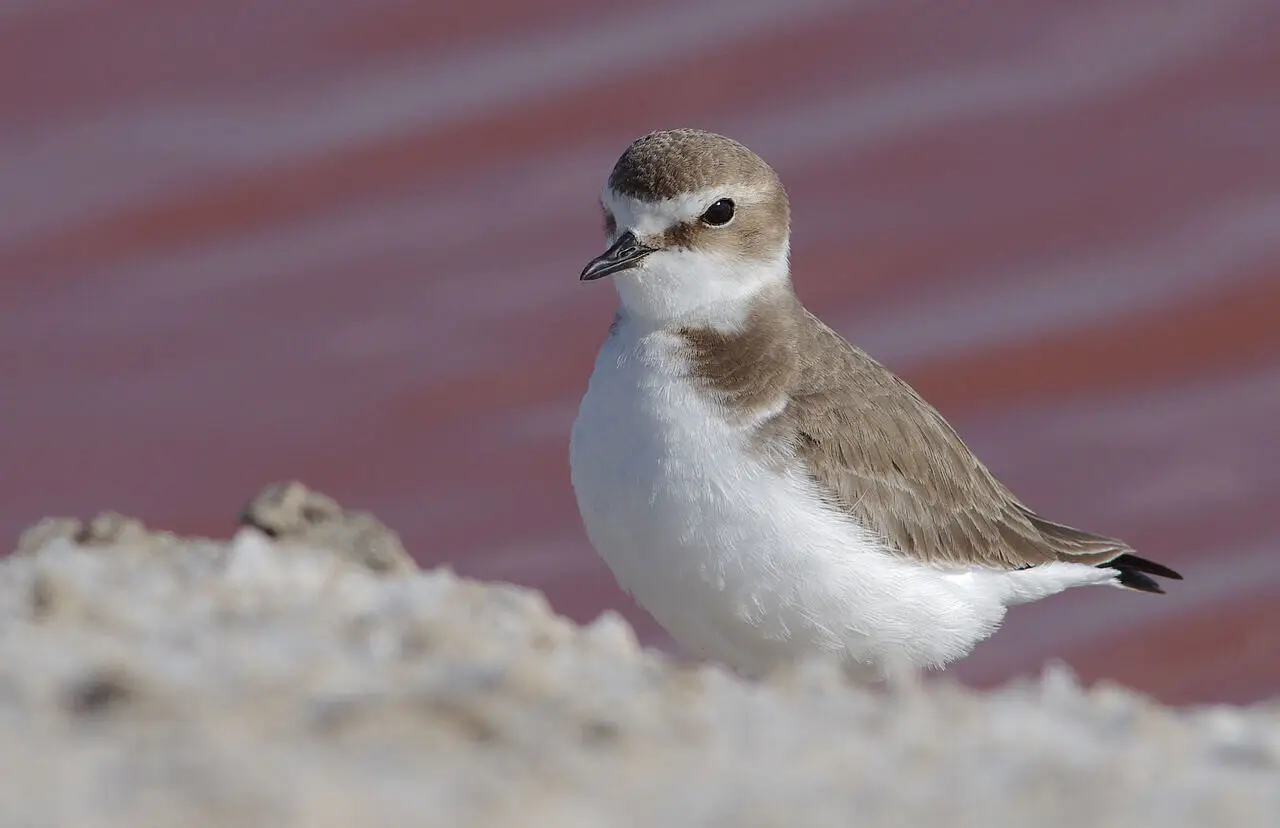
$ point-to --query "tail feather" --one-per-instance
(1073, 545)
(1136, 572)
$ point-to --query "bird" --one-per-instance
(763, 488)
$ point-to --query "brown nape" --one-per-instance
(879, 452)
(667, 164)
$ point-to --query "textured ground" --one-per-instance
(306, 673)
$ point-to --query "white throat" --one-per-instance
(684, 286)
(693, 287)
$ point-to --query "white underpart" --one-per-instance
(739, 562)
(688, 286)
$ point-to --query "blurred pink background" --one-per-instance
(339, 240)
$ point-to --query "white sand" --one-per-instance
(147, 680)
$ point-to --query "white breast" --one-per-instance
(741, 563)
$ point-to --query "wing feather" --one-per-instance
(889, 459)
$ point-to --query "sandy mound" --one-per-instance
(306, 673)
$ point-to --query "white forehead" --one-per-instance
(650, 217)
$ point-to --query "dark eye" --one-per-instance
(610, 224)
(720, 213)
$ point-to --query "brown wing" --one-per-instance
(890, 459)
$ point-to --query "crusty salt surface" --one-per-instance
(305, 673)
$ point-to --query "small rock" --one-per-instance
(289, 508)
(290, 511)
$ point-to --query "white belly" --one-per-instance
(741, 563)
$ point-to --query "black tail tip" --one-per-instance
(1135, 573)
(1136, 580)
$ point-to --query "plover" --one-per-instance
(765, 489)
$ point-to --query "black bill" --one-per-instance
(624, 253)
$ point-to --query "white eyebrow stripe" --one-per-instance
(652, 217)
